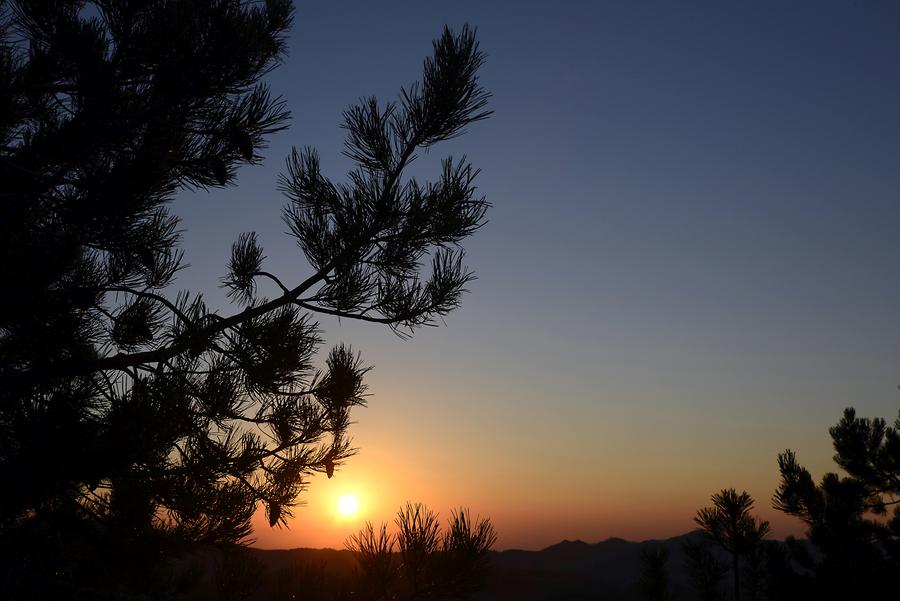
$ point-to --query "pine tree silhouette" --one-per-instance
(729, 523)
(853, 521)
(129, 414)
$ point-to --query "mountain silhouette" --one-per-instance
(581, 570)
(566, 570)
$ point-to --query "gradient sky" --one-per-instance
(690, 265)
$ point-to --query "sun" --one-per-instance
(348, 505)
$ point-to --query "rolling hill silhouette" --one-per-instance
(580, 570)
(567, 570)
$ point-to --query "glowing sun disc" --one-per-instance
(348, 505)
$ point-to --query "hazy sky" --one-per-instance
(690, 265)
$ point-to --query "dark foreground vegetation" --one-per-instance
(137, 423)
(413, 558)
(728, 557)
(852, 547)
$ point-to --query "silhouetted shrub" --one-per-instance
(705, 572)
(420, 561)
(653, 584)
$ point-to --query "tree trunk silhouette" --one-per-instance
(737, 576)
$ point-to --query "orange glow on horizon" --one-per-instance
(559, 494)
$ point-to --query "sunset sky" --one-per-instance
(690, 263)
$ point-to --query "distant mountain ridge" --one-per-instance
(569, 569)
(575, 570)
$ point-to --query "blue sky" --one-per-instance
(691, 260)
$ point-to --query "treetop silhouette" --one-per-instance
(730, 524)
(853, 521)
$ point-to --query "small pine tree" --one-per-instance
(705, 572)
(729, 523)
(653, 584)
